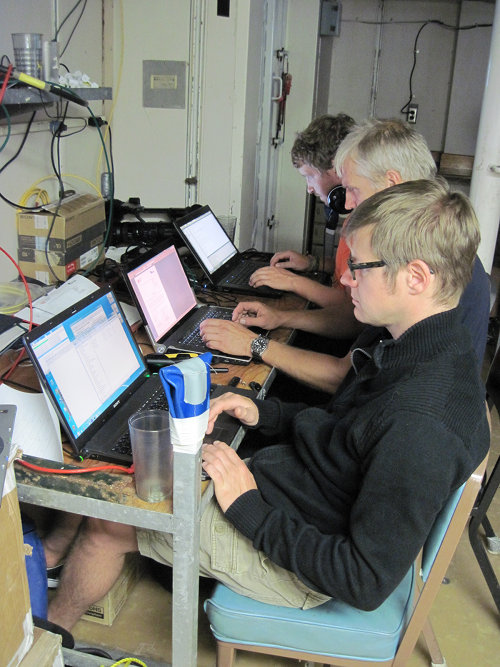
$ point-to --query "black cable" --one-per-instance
(111, 159)
(74, 27)
(16, 154)
(55, 144)
(65, 19)
(111, 195)
(25, 387)
(65, 135)
(404, 108)
(14, 157)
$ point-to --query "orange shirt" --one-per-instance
(341, 258)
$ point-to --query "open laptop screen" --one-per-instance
(209, 241)
(162, 291)
(88, 359)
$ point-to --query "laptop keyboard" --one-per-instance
(194, 337)
(241, 274)
(158, 401)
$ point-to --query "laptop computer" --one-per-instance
(93, 372)
(223, 265)
(163, 296)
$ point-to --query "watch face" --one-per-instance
(259, 345)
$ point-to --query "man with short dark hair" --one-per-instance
(313, 155)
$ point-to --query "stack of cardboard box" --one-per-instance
(61, 238)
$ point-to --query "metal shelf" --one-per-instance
(22, 99)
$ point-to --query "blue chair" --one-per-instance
(336, 633)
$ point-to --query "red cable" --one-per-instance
(75, 471)
(30, 301)
(5, 82)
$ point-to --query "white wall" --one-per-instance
(302, 36)
(230, 112)
(78, 153)
(469, 77)
(149, 145)
(371, 66)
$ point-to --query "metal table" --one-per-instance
(112, 497)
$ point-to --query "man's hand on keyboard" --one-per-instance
(279, 279)
(228, 337)
(238, 406)
(229, 473)
(256, 314)
(289, 259)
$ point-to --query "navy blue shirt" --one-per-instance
(475, 307)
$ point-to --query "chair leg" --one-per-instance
(225, 655)
(432, 644)
(492, 541)
(478, 517)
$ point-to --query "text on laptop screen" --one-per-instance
(162, 289)
(89, 361)
(209, 241)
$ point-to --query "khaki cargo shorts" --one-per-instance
(229, 557)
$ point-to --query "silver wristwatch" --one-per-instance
(258, 346)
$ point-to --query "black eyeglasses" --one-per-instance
(363, 265)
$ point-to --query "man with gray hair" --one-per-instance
(375, 155)
(342, 506)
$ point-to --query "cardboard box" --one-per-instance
(55, 273)
(60, 251)
(74, 215)
(76, 238)
(16, 632)
(45, 652)
(107, 609)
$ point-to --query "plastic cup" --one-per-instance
(28, 53)
(152, 454)
(228, 223)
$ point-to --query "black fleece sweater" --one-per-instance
(348, 502)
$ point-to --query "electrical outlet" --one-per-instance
(412, 113)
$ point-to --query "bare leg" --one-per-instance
(92, 567)
(59, 539)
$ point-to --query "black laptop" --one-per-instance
(94, 374)
(161, 291)
(223, 265)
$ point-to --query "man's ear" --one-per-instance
(419, 276)
(392, 177)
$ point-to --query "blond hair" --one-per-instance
(422, 220)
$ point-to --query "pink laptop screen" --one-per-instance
(163, 291)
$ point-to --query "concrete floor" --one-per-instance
(464, 616)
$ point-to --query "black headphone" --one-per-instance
(336, 200)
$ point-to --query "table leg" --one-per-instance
(186, 511)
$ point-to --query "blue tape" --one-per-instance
(187, 396)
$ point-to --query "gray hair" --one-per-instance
(377, 146)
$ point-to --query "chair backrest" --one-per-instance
(438, 531)
(437, 554)
(493, 381)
